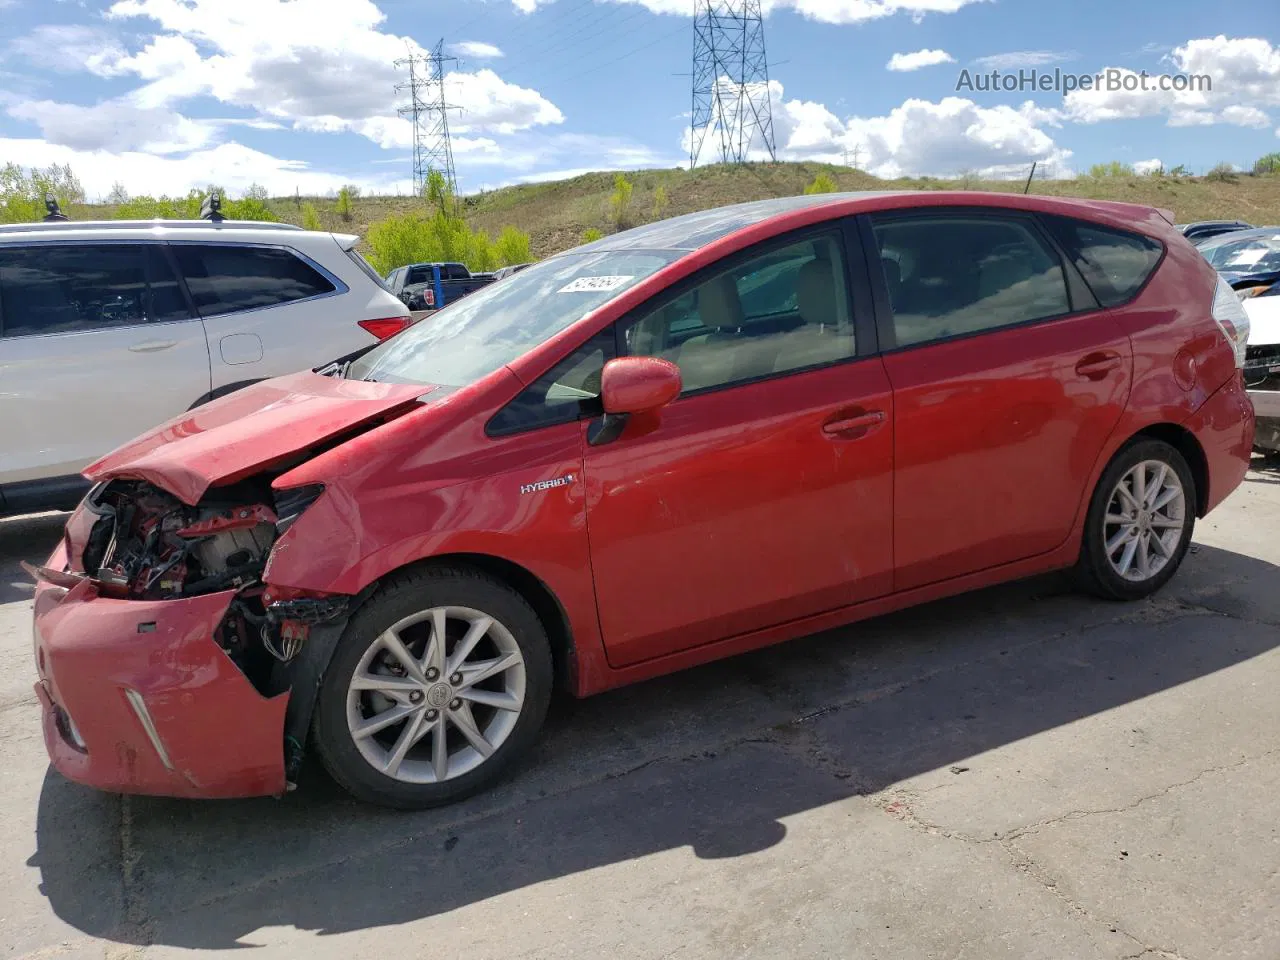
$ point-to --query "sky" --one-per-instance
(160, 96)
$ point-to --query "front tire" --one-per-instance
(438, 686)
(1140, 522)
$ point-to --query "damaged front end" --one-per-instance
(134, 542)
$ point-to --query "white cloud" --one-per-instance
(301, 61)
(66, 48)
(917, 138)
(230, 165)
(823, 11)
(476, 49)
(1144, 167)
(1237, 78)
(1016, 59)
(904, 62)
(114, 125)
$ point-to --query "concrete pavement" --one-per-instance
(1020, 773)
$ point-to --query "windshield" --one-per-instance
(1247, 255)
(498, 323)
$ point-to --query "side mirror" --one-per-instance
(639, 384)
(633, 385)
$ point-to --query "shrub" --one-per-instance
(1222, 173)
(415, 238)
(620, 202)
(659, 203)
(821, 184)
(591, 234)
(256, 191)
(512, 247)
(310, 218)
(1112, 169)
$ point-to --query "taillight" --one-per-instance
(429, 298)
(1231, 319)
(386, 327)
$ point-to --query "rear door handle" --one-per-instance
(153, 346)
(1095, 366)
(843, 424)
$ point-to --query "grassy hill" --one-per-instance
(556, 214)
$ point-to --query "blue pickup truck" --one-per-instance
(430, 286)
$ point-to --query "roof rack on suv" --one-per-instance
(211, 209)
(53, 213)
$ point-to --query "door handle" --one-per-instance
(152, 346)
(1095, 366)
(842, 424)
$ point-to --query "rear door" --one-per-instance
(268, 310)
(1007, 381)
(97, 345)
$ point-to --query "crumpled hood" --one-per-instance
(1264, 320)
(249, 430)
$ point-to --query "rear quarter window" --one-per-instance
(1115, 263)
(224, 279)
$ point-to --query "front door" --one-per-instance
(765, 493)
(1007, 381)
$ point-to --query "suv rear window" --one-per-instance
(1115, 263)
(224, 278)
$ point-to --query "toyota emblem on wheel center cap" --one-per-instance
(439, 694)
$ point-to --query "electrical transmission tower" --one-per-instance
(428, 111)
(730, 80)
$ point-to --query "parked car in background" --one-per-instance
(678, 443)
(1205, 229)
(431, 286)
(1248, 259)
(108, 329)
(504, 272)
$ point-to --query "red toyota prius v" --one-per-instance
(829, 407)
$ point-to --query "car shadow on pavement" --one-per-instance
(713, 759)
(30, 538)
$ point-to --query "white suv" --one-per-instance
(108, 329)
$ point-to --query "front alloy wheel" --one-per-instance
(436, 694)
(439, 684)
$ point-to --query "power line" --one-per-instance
(730, 80)
(428, 111)
(621, 56)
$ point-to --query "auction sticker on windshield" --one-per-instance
(593, 284)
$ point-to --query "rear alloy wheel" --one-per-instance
(1140, 522)
(426, 705)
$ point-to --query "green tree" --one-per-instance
(345, 207)
(1179, 171)
(659, 202)
(310, 218)
(821, 184)
(620, 202)
(438, 193)
(591, 234)
(1268, 164)
(118, 193)
(511, 247)
(23, 192)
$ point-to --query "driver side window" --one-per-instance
(783, 311)
(566, 392)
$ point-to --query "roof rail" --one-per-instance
(63, 225)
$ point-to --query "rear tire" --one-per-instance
(1140, 522)
(406, 722)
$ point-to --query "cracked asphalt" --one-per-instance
(1018, 773)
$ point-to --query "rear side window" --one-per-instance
(1115, 263)
(951, 276)
(224, 278)
(366, 269)
(63, 288)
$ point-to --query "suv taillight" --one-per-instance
(1231, 319)
(386, 327)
